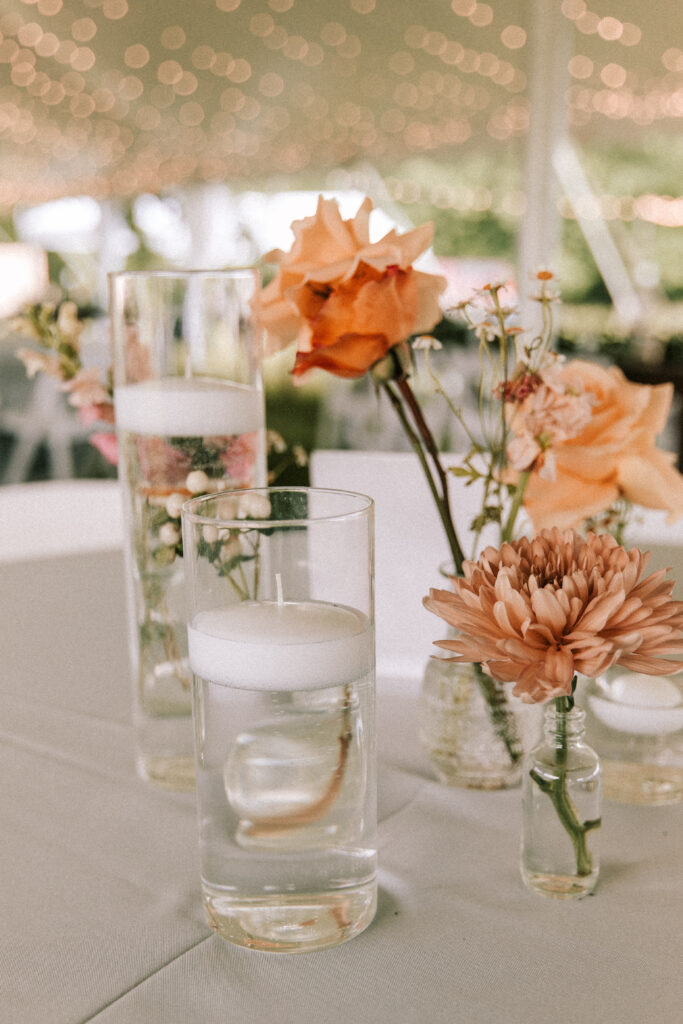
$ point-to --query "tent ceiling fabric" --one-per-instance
(118, 97)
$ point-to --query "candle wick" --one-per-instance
(278, 589)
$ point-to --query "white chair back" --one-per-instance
(58, 517)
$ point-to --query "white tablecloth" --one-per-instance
(99, 901)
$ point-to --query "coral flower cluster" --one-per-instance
(544, 410)
(538, 611)
(57, 329)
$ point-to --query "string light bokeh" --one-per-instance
(109, 98)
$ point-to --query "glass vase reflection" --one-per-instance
(635, 722)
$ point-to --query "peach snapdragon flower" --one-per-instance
(345, 300)
(613, 456)
(40, 362)
(538, 611)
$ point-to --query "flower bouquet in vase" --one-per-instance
(563, 443)
(603, 474)
(538, 612)
(559, 443)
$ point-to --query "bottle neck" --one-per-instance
(564, 726)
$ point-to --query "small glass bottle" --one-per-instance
(561, 800)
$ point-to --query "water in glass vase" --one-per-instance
(285, 775)
(561, 802)
(176, 437)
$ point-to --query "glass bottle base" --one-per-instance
(173, 773)
(451, 771)
(559, 886)
(291, 923)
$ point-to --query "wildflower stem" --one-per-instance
(440, 499)
(282, 824)
(427, 438)
(502, 719)
(508, 530)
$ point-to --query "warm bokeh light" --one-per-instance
(288, 87)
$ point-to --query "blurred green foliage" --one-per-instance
(650, 166)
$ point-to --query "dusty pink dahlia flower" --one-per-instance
(538, 611)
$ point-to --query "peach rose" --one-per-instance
(344, 300)
(613, 456)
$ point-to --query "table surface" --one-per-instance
(99, 891)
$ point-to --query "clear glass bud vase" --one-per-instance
(561, 803)
(475, 734)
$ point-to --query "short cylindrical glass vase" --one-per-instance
(281, 643)
(189, 414)
(473, 731)
(561, 806)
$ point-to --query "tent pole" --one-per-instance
(550, 40)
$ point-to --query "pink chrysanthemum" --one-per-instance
(538, 611)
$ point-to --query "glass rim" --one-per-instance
(190, 515)
(248, 270)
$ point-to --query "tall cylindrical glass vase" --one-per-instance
(190, 419)
(281, 643)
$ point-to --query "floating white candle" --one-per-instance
(640, 704)
(188, 407)
(293, 645)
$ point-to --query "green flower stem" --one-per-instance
(441, 504)
(517, 500)
(557, 790)
(427, 440)
(502, 718)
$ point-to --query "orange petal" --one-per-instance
(350, 356)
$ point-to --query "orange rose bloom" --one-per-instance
(614, 456)
(344, 300)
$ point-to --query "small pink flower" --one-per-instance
(543, 416)
(239, 458)
(101, 413)
(162, 465)
(86, 388)
(107, 446)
